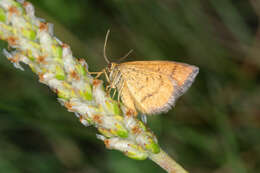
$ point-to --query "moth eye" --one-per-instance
(109, 65)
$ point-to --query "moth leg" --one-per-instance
(108, 89)
(120, 91)
(106, 75)
(116, 78)
(98, 74)
(94, 72)
(114, 94)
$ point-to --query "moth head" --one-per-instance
(111, 67)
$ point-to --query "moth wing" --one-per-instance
(152, 92)
(183, 74)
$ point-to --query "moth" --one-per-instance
(150, 87)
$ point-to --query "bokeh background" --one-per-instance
(215, 126)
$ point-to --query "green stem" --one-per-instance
(167, 163)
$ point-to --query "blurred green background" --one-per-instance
(215, 126)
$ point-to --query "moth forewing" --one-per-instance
(154, 86)
(150, 91)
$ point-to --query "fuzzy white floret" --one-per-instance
(130, 122)
(81, 107)
(61, 101)
(7, 54)
(69, 63)
(84, 122)
(45, 40)
(58, 40)
(18, 22)
(77, 114)
(99, 94)
(80, 84)
(25, 46)
(108, 122)
(55, 83)
(10, 56)
(100, 137)
(18, 66)
(122, 145)
(68, 59)
(142, 139)
(29, 9)
(84, 64)
(66, 51)
(6, 4)
(48, 76)
(51, 28)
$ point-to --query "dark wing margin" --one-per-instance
(188, 82)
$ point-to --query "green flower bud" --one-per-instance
(2, 15)
(63, 94)
(57, 53)
(30, 56)
(152, 146)
(122, 133)
(105, 132)
(141, 124)
(30, 34)
(60, 74)
(87, 94)
(80, 69)
(113, 107)
(136, 153)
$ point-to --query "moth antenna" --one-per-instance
(126, 55)
(105, 47)
(105, 50)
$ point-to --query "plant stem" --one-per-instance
(167, 163)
